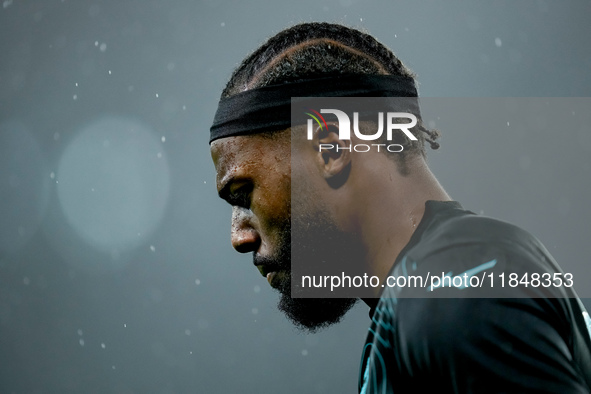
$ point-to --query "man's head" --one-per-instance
(258, 175)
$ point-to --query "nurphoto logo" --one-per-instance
(344, 126)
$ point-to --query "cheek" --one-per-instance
(277, 206)
(272, 194)
(277, 193)
(306, 177)
(305, 195)
(273, 210)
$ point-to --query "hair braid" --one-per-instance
(321, 49)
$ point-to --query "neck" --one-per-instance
(389, 206)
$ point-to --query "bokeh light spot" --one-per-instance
(112, 188)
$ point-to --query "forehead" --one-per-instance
(247, 155)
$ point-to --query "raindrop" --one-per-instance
(103, 345)
(163, 139)
(81, 342)
(26, 281)
(187, 332)
(52, 175)
(254, 311)
(152, 248)
(80, 332)
(103, 47)
(223, 24)
(75, 97)
(197, 282)
(498, 42)
(304, 352)
(156, 95)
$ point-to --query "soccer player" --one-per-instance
(384, 213)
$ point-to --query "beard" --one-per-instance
(311, 243)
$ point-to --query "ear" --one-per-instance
(334, 154)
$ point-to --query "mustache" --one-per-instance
(280, 260)
(273, 263)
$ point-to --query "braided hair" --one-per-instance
(311, 50)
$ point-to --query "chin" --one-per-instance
(312, 314)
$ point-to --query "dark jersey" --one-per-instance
(459, 339)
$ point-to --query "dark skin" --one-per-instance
(255, 181)
(256, 174)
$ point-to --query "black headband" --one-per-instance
(269, 108)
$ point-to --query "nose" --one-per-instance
(244, 236)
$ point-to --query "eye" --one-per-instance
(241, 196)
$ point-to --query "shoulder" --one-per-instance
(465, 242)
(476, 229)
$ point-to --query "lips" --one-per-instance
(270, 277)
(265, 268)
(271, 272)
(277, 279)
(270, 268)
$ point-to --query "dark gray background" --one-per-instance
(88, 307)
